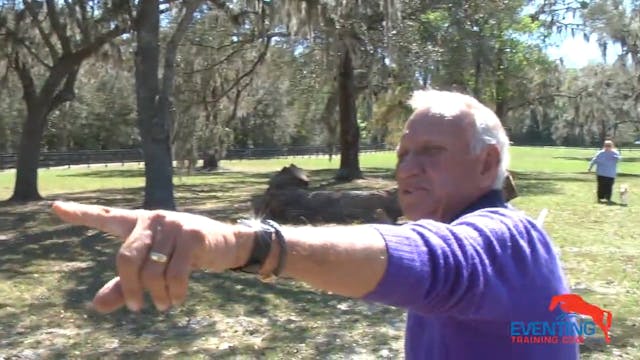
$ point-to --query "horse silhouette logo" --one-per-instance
(572, 303)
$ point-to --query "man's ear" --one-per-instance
(490, 162)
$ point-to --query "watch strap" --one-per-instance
(261, 246)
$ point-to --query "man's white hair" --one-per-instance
(489, 130)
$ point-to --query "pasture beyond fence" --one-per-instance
(88, 157)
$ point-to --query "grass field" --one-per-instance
(49, 271)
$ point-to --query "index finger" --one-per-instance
(115, 221)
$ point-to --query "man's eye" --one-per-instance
(430, 150)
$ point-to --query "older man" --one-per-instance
(466, 267)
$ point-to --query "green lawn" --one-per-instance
(49, 271)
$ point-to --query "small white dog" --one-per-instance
(624, 194)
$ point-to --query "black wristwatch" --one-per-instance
(266, 231)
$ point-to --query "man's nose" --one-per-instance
(408, 166)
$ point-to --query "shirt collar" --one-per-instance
(490, 199)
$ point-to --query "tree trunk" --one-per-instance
(152, 114)
(210, 161)
(39, 105)
(155, 103)
(349, 132)
(329, 119)
(158, 191)
(501, 87)
(477, 85)
(26, 185)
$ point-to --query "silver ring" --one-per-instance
(158, 257)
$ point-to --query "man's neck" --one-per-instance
(490, 199)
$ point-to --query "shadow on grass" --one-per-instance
(535, 183)
(16, 216)
(626, 175)
(546, 176)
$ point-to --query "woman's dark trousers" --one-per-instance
(605, 187)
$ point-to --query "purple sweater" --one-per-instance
(464, 282)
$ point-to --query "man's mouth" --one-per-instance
(410, 191)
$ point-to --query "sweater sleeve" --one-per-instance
(616, 154)
(595, 159)
(467, 268)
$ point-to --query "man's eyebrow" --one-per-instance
(429, 141)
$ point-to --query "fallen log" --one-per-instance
(289, 177)
(509, 190)
(303, 206)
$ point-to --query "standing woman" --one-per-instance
(606, 161)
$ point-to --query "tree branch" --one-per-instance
(46, 37)
(28, 85)
(268, 36)
(254, 66)
(546, 96)
(617, 123)
(82, 26)
(251, 39)
(17, 39)
(212, 66)
(99, 41)
(83, 12)
(217, 48)
(234, 16)
(68, 64)
(60, 30)
(172, 45)
(236, 102)
(67, 93)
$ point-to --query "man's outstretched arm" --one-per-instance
(348, 260)
(345, 260)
